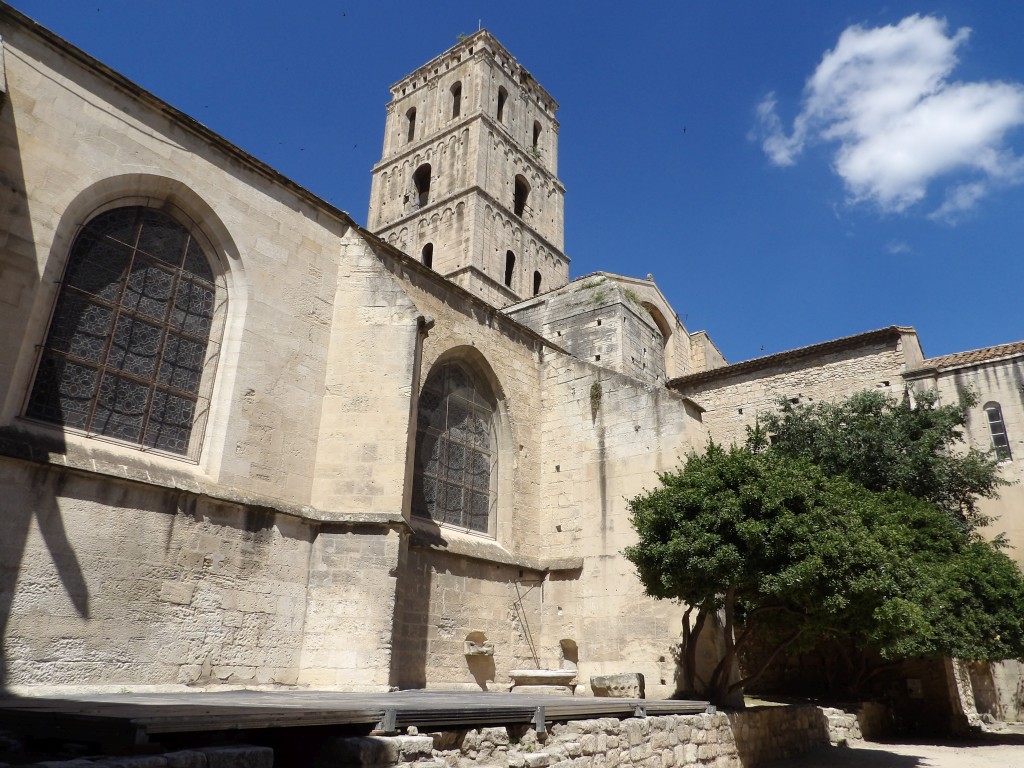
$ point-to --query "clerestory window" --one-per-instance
(997, 427)
(130, 335)
(456, 459)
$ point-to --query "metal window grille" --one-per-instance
(1000, 442)
(130, 333)
(456, 460)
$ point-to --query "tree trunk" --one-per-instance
(688, 655)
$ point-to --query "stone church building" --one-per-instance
(245, 439)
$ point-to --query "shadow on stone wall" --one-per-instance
(20, 282)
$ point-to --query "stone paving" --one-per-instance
(991, 751)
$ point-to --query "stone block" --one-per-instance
(238, 757)
(185, 759)
(628, 685)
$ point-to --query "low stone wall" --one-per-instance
(722, 740)
(204, 757)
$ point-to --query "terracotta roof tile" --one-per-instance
(972, 356)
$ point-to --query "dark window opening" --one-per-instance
(421, 180)
(456, 100)
(996, 425)
(410, 117)
(510, 265)
(536, 283)
(502, 97)
(536, 134)
(130, 335)
(456, 458)
(427, 255)
(521, 194)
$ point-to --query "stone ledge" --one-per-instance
(28, 447)
(427, 534)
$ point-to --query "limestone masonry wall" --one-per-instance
(124, 584)
(741, 739)
(733, 400)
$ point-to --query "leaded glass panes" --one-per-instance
(454, 450)
(996, 425)
(130, 332)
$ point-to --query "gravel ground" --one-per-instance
(991, 750)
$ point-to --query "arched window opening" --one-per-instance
(522, 192)
(410, 118)
(456, 100)
(510, 266)
(421, 180)
(502, 98)
(130, 335)
(665, 331)
(456, 459)
(996, 425)
(536, 283)
(427, 255)
(536, 134)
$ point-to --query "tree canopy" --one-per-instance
(889, 444)
(812, 537)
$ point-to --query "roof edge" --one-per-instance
(757, 363)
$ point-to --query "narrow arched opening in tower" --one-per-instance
(456, 100)
(502, 98)
(536, 283)
(427, 255)
(521, 194)
(421, 180)
(410, 118)
(510, 267)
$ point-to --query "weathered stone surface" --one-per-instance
(628, 685)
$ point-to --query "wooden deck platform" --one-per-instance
(123, 720)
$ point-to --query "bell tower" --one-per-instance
(468, 180)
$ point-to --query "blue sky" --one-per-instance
(844, 166)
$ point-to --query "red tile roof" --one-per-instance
(971, 357)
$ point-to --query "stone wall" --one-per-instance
(733, 396)
(1002, 382)
(605, 439)
(106, 582)
(744, 738)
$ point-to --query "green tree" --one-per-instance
(792, 554)
(889, 444)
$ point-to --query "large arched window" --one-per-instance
(996, 425)
(456, 457)
(130, 333)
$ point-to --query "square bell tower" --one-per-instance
(468, 180)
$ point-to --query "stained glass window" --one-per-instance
(130, 333)
(455, 450)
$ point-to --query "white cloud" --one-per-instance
(898, 247)
(885, 97)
